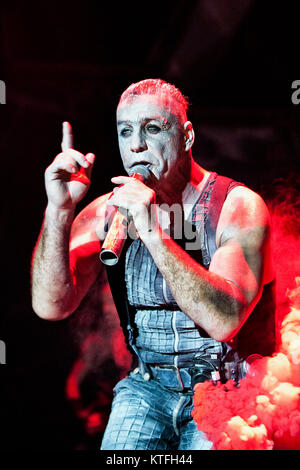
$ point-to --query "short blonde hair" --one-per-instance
(156, 86)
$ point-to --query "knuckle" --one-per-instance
(50, 167)
(77, 154)
(151, 196)
(60, 156)
(58, 160)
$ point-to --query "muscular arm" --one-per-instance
(53, 291)
(66, 261)
(220, 299)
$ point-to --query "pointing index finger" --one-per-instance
(67, 136)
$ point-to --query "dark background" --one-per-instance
(235, 60)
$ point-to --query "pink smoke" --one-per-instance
(263, 413)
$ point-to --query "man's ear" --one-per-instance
(189, 135)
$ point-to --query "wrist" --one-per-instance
(58, 215)
(152, 237)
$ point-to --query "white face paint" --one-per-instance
(150, 132)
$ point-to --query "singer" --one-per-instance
(192, 301)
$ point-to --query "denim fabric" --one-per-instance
(165, 335)
(148, 416)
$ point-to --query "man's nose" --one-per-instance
(138, 143)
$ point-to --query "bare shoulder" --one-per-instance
(244, 211)
(245, 224)
(89, 223)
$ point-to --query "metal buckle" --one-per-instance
(174, 369)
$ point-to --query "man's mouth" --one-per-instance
(142, 162)
(152, 176)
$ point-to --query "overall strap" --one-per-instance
(221, 188)
(258, 334)
(116, 279)
(126, 312)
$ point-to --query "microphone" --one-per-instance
(114, 241)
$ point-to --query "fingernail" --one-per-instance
(90, 157)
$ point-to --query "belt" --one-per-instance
(181, 379)
(175, 378)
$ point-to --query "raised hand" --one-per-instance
(68, 178)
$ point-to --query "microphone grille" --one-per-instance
(141, 170)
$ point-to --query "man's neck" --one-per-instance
(198, 178)
(189, 183)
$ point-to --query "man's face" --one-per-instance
(150, 132)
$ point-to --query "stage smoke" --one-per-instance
(263, 412)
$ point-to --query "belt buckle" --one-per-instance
(177, 372)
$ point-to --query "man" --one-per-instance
(185, 301)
